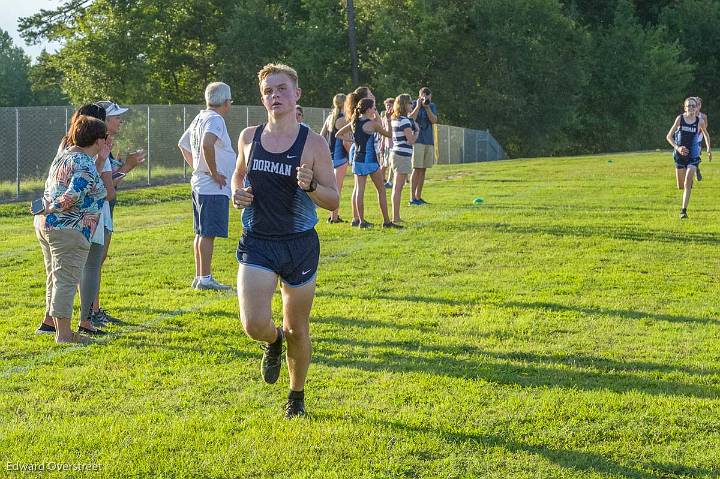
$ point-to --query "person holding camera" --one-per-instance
(423, 157)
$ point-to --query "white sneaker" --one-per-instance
(212, 284)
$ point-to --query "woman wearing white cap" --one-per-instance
(120, 168)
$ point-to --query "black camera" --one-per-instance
(426, 101)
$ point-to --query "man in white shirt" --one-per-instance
(206, 147)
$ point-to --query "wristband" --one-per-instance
(313, 186)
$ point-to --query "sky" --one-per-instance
(13, 9)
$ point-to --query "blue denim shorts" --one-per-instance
(211, 215)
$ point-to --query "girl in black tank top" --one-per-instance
(338, 153)
(684, 138)
(362, 125)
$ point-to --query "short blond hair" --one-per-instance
(275, 68)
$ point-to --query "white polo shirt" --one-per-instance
(209, 121)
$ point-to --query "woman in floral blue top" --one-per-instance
(74, 196)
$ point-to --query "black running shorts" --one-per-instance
(294, 259)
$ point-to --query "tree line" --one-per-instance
(546, 77)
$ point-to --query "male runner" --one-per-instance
(283, 171)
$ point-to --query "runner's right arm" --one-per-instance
(242, 196)
(670, 138)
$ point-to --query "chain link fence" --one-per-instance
(29, 138)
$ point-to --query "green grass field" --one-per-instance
(31, 188)
(568, 327)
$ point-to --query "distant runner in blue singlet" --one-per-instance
(683, 137)
(333, 123)
(283, 172)
(363, 124)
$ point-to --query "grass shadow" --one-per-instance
(572, 460)
(370, 324)
(620, 313)
(654, 236)
(470, 362)
(535, 305)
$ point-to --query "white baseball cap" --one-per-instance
(111, 108)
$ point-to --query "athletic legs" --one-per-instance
(688, 184)
(196, 253)
(353, 201)
(297, 303)
(680, 177)
(205, 246)
(398, 186)
(359, 199)
(255, 288)
(417, 181)
(339, 179)
(379, 181)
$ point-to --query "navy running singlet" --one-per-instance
(337, 149)
(280, 208)
(333, 131)
(687, 136)
(364, 144)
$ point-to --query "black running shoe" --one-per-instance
(294, 408)
(354, 222)
(683, 214)
(272, 359)
(697, 173)
(365, 225)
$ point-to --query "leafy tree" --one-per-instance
(308, 35)
(602, 14)
(46, 81)
(694, 25)
(14, 69)
(133, 51)
(546, 76)
(636, 78)
(514, 67)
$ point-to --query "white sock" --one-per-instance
(204, 279)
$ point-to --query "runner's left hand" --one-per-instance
(304, 176)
